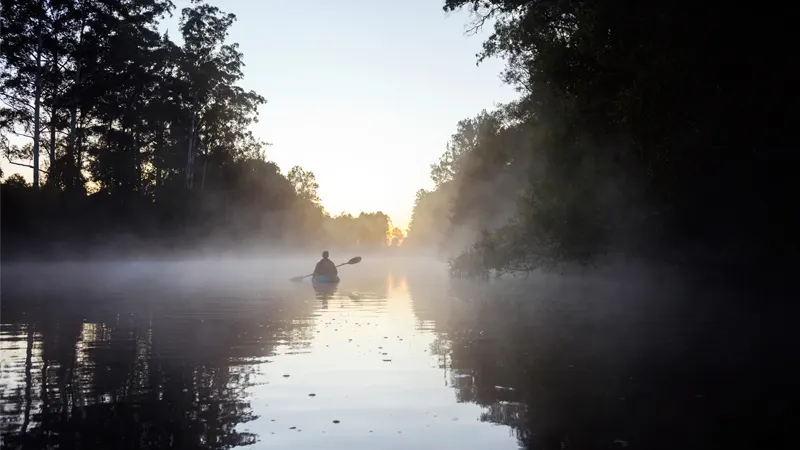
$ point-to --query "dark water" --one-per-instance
(227, 354)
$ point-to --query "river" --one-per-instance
(223, 354)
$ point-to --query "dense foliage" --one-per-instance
(143, 138)
(641, 128)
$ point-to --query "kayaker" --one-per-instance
(325, 266)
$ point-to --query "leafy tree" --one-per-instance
(305, 183)
(628, 134)
(24, 27)
(397, 237)
(146, 137)
(219, 111)
(470, 135)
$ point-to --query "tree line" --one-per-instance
(658, 132)
(128, 133)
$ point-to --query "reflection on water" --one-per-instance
(396, 358)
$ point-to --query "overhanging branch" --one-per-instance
(28, 166)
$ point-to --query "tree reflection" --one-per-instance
(592, 366)
(324, 292)
(138, 371)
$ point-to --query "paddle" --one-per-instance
(355, 260)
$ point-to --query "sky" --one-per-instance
(364, 94)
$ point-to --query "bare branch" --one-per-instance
(480, 19)
(12, 97)
(19, 134)
(26, 54)
(64, 65)
(26, 165)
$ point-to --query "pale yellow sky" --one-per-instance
(364, 94)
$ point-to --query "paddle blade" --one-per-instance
(296, 279)
(355, 260)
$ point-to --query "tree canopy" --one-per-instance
(144, 138)
(639, 128)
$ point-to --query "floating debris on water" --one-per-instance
(312, 395)
(286, 375)
(335, 421)
(503, 388)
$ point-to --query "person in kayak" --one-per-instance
(325, 266)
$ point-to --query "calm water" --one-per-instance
(227, 354)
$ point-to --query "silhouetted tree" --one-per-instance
(146, 138)
(610, 148)
(305, 183)
(397, 237)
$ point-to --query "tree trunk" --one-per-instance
(190, 155)
(53, 111)
(79, 143)
(203, 180)
(71, 154)
(138, 153)
(37, 107)
(158, 156)
(52, 139)
(71, 151)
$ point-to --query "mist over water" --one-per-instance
(223, 353)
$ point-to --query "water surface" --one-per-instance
(221, 354)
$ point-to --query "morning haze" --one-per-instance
(321, 225)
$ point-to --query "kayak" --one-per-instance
(325, 291)
(317, 279)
